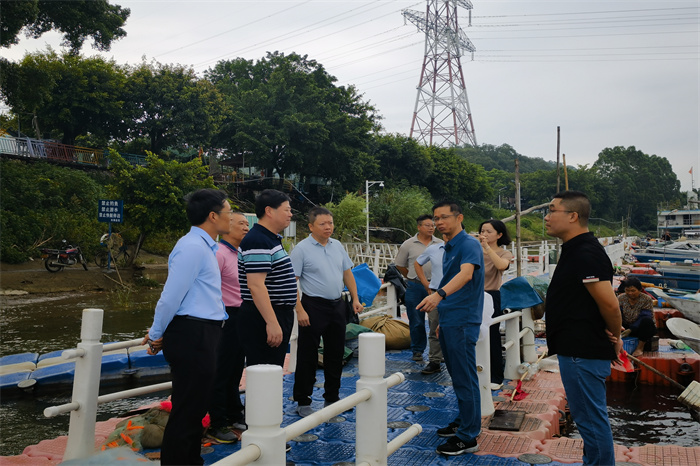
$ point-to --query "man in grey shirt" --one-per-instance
(322, 267)
(415, 292)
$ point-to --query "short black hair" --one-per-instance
(203, 201)
(632, 282)
(500, 227)
(316, 211)
(269, 198)
(454, 207)
(578, 202)
(423, 218)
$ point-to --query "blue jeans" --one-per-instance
(584, 383)
(415, 292)
(459, 350)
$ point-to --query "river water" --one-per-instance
(639, 414)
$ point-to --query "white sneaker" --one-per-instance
(496, 386)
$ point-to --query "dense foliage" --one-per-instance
(154, 194)
(285, 116)
(76, 19)
(42, 205)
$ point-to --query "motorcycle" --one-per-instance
(56, 259)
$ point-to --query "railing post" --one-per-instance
(375, 269)
(483, 370)
(86, 387)
(263, 413)
(513, 353)
(528, 341)
(370, 428)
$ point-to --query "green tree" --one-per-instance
(43, 204)
(399, 207)
(76, 19)
(502, 157)
(401, 158)
(287, 116)
(70, 95)
(154, 194)
(349, 217)
(634, 183)
(171, 107)
(455, 178)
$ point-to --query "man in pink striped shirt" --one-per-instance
(226, 410)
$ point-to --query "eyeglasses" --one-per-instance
(549, 211)
(443, 217)
(230, 212)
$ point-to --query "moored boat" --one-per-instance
(674, 252)
(688, 305)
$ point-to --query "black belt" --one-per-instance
(219, 323)
(332, 301)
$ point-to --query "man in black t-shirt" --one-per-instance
(583, 322)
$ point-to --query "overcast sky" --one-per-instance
(609, 73)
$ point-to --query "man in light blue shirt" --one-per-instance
(433, 254)
(187, 324)
(322, 266)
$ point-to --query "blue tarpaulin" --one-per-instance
(367, 284)
(518, 294)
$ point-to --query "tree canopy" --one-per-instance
(76, 19)
(287, 115)
(154, 194)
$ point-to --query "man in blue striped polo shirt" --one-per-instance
(268, 285)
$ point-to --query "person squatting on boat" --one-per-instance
(187, 324)
(459, 302)
(226, 410)
(323, 268)
(415, 290)
(583, 322)
(492, 235)
(637, 310)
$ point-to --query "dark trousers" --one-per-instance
(495, 340)
(327, 320)
(252, 331)
(643, 328)
(190, 347)
(226, 407)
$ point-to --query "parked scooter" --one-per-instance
(56, 259)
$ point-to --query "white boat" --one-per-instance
(688, 305)
(688, 332)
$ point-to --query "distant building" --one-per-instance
(681, 222)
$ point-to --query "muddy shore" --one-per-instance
(32, 278)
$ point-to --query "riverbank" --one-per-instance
(32, 278)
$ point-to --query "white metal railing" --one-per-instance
(86, 385)
(264, 441)
(369, 398)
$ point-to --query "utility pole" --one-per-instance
(441, 115)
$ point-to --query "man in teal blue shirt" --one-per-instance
(187, 324)
(459, 302)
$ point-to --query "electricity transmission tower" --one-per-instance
(442, 115)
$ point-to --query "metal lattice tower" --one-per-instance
(442, 115)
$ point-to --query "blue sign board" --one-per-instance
(110, 211)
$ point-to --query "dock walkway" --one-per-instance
(429, 401)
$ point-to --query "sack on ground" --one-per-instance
(396, 332)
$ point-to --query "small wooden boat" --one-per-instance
(688, 305)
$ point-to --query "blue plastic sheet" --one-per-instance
(518, 294)
(368, 284)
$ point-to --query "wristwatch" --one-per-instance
(441, 293)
